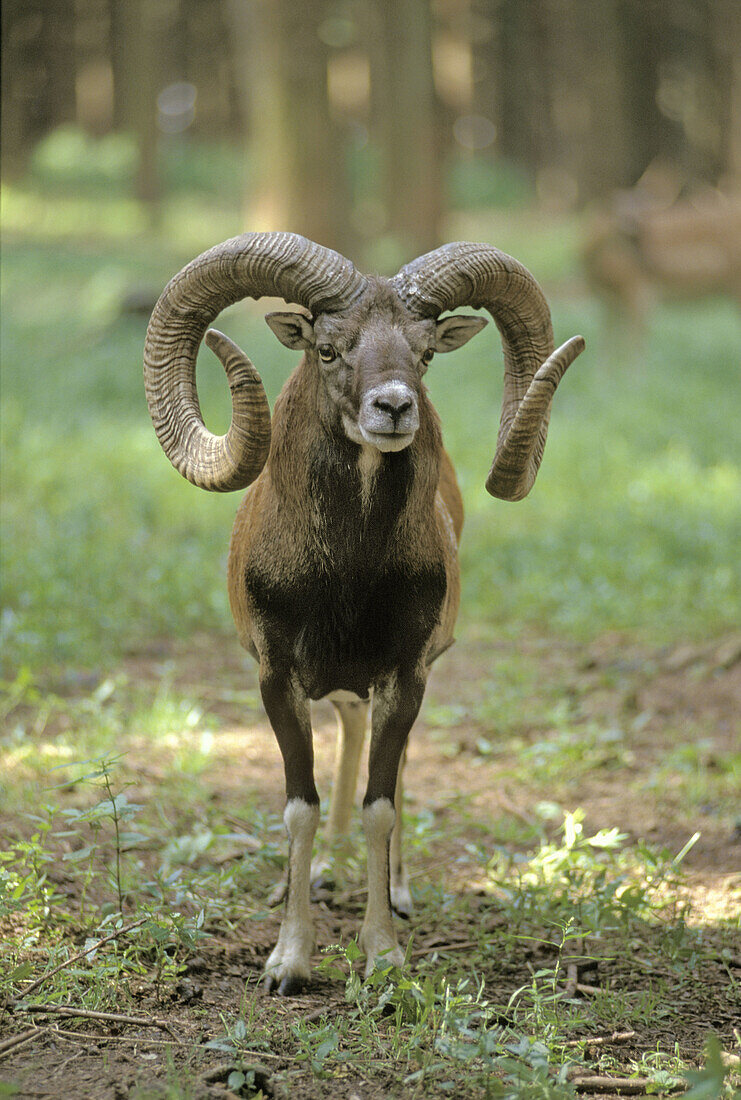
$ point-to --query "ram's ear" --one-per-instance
(295, 330)
(453, 332)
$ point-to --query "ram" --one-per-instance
(343, 567)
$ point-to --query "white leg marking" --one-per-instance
(401, 896)
(291, 956)
(377, 936)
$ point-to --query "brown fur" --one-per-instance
(278, 533)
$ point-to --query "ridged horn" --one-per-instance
(254, 265)
(466, 274)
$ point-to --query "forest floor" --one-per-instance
(542, 962)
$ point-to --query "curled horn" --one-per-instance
(477, 275)
(254, 265)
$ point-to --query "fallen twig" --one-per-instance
(509, 807)
(15, 1041)
(458, 946)
(625, 1085)
(89, 1014)
(93, 947)
(602, 1040)
(82, 1037)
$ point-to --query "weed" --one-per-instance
(435, 1026)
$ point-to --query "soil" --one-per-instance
(658, 699)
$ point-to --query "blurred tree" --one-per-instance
(585, 61)
(141, 23)
(38, 75)
(298, 178)
(521, 77)
(726, 31)
(404, 122)
(120, 33)
(584, 96)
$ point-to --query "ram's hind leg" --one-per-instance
(289, 963)
(401, 895)
(352, 722)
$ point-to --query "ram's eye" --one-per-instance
(326, 353)
(427, 356)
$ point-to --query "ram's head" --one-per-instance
(370, 341)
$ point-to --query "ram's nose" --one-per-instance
(393, 405)
(389, 415)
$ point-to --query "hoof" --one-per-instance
(402, 904)
(290, 986)
(288, 967)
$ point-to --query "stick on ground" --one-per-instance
(89, 1014)
(625, 1086)
(93, 947)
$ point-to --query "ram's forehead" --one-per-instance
(379, 308)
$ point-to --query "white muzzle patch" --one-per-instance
(389, 416)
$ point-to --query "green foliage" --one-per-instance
(437, 1027)
(713, 1081)
(588, 884)
(97, 839)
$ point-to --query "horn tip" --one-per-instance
(213, 338)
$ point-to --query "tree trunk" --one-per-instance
(38, 75)
(298, 177)
(143, 33)
(403, 107)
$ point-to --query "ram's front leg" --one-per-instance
(288, 966)
(396, 704)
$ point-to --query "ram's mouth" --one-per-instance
(387, 441)
(382, 441)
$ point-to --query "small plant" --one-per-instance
(593, 879)
(24, 868)
(435, 1027)
(113, 808)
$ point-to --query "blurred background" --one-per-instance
(365, 124)
(600, 143)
